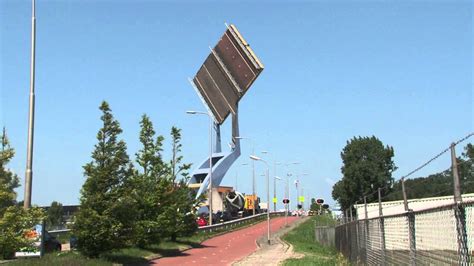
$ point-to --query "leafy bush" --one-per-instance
(14, 224)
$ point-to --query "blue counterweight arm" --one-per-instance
(222, 161)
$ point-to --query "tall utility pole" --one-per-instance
(297, 195)
(31, 114)
(253, 182)
(211, 151)
(287, 196)
(275, 163)
(457, 184)
(302, 195)
(267, 173)
(210, 170)
(253, 174)
(274, 187)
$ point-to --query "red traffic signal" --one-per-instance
(286, 201)
(319, 201)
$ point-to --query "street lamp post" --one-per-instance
(237, 174)
(274, 190)
(253, 174)
(275, 178)
(287, 190)
(210, 159)
(275, 163)
(302, 195)
(297, 182)
(31, 114)
(253, 157)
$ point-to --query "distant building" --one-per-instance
(68, 211)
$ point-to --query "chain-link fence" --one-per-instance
(436, 236)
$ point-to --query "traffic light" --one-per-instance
(325, 206)
(300, 206)
(319, 201)
(286, 201)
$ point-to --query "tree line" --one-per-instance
(439, 184)
(123, 202)
(368, 165)
(15, 221)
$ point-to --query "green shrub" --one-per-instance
(14, 223)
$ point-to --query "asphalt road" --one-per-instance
(225, 249)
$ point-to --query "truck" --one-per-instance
(239, 204)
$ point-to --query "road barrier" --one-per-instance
(237, 222)
(207, 228)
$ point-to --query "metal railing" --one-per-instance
(208, 228)
(237, 222)
(440, 235)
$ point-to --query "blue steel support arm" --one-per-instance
(223, 161)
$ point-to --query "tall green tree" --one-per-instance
(54, 215)
(104, 219)
(149, 157)
(178, 216)
(150, 185)
(367, 165)
(314, 205)
(439, 184)
(8, 180)
(15, 221)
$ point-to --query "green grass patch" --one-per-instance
(65, 258)
(302, 238)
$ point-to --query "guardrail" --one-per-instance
(207, 228)
(236, 222)
(59, 231)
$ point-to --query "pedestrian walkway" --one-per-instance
(228, 248)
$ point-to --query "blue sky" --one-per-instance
(399, 70)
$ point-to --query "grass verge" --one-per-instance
(302, 238)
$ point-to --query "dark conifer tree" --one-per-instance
(105, 218)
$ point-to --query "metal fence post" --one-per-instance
(348, 241)
(412, 236)
(382, 229)
(350, 213)
(357, 247)
(411, 226)
(454, 167)
(366, 221)
(459, 212)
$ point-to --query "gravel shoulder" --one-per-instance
(276, 252)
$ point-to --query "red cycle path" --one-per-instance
(225, 249)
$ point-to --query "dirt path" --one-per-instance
(275, 253)
(228, 248)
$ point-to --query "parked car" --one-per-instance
(51, 243)
(201, 221)
(214, 217)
